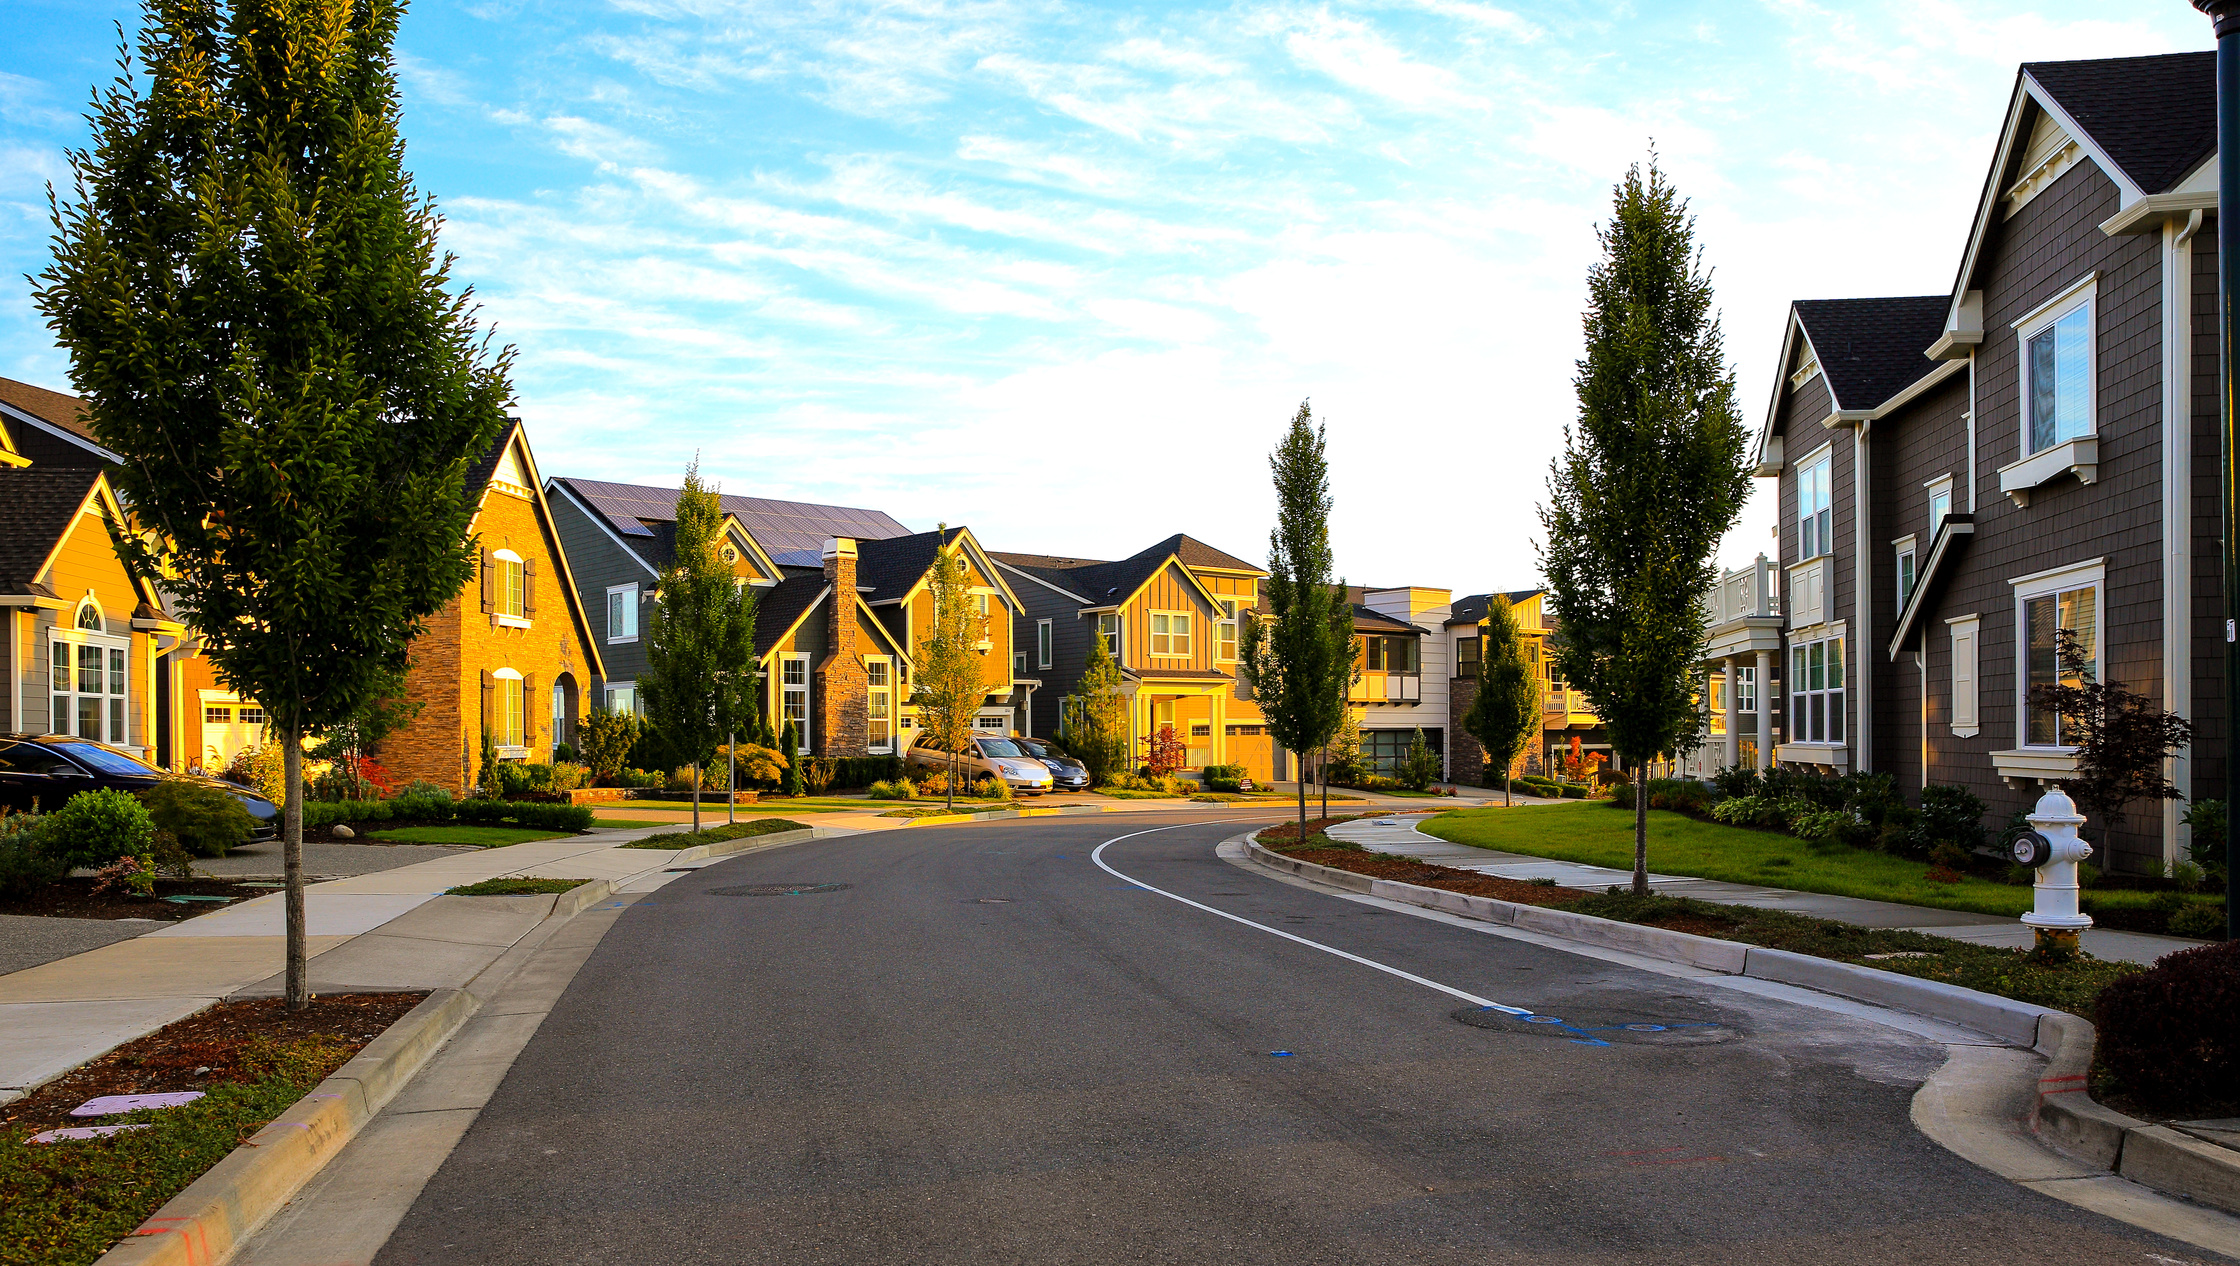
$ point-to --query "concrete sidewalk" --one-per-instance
(387, 930)
(1399, 835)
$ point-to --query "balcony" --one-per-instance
(1394, 688)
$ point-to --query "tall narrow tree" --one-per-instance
(951, 679)
(1505, 713)
(699, 678)
(1299, 660)
(261, 323)
(1651, 476)
(1096, 716)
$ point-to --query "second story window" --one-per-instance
(1466, 657)
(1170, 634)
(2075, 610)
(1940, 502)
(1814, 521)
(1108, 628)
(1225, 635)
(1389, 654)
(1816, 692)
(511, 583)
(1905, 571)
(2057, 371)
(1041, 644)
(622, 613)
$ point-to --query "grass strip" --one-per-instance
(514, 887)
(68, 1203)
(476, 836)
(716, 834)
(1595, 834)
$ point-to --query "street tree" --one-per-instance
(1096, 717)
(261, 323)
(951, 682)
(1299, 660)
(1505, 713)
(698, 683)
(1651, 476)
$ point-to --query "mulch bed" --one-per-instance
(1407, 870)
(73, 898)
(212, 1042)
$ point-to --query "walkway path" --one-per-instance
(1399, 835)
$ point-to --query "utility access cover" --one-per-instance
(775, 890)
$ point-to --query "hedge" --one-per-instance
(2169, 1037)
(319, 814)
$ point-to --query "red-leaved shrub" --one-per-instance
(2170, 1035)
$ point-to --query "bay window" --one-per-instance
(1816, 692)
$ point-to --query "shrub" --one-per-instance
(531, 814)
(263, 769)
(206, 821)
(1737, 780)
(1954, 814)
(637, 779)
(1737, 810)
(992, 789)
(606, 738)
(2206, 849)
(135, 876)
(1904, 834)
(1571, 791)
(567, 776)
(1420, 768)
(865, 771)
(94, 828)
(1222, 778)
(2199, 921)
(1682, 795)
(885, 790)
(1826, 826)
(2170, 1035)
(422, 789)
(25, 866)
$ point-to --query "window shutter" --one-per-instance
(529, 589)
(529, 710)
(489, 700)
(489, 598)
(1965, 698)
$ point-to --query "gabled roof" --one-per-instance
(1105, 584)
(779, 608)
(1871, 349)
(1196, 553)
(793, 533)
(61, 414)
(1368, 621)
(478, 483)
(37, 505)
(893, 569)
(1472, 609)
(2154, 117)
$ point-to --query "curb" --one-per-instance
(216, 1213)
(2068, 1119)
(1006, 815)
(2063, 1114)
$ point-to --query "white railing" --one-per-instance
(1753, 591)
(1387, 688)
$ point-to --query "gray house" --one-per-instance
(1963, 474)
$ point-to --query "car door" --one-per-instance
(31, 776)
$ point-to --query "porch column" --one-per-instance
(1734, 717)
(1765, 710)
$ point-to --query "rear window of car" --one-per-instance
(32, 758)
(98, 757)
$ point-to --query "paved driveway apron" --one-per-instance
(971, 1044)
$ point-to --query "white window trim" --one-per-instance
(1229, 628)
(1119, 635)
(75, 636)
(1899, 549)
(606, 694)
(1045, 638)
(807, 704)
(512, 750)
(1836, 630)
(894, 718)
(506, 619)
(2086, 575)
(1960, 626)
(1931, 486)
(1190, 651)
(629, 594)
(2079, 294)
(1823, 455)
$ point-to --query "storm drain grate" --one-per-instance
(775, 890)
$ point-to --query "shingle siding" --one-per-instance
(2209, 730)
(598, 562)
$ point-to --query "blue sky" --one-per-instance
(1062, 273)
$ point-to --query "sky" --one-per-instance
(1063, 273)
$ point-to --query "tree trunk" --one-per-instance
(1508, 791)
(951, 781)
(696, 797)
(291, 855)
(1641, 833)
(731, 779)
(1302, 797)
(1322, 770)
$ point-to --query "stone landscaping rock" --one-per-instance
(341, 832)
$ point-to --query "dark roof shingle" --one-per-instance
(36, 504)
(2155, 116)
(1871, 349)
(777, 607)
(794, 532)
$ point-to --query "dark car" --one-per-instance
(1066, 773)
(48, 769)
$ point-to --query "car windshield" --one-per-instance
(999, 747)
(1032, 748)
(107, 761)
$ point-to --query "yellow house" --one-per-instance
(1173, 616)
(1565, 713)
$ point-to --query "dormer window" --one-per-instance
(89, 618)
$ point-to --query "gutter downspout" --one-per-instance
(1861, 666)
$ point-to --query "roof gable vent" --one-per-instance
(2051, 151)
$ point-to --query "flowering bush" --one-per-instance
(135, 876)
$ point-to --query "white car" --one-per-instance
(986, 754)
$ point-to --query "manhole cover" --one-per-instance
(775, 890)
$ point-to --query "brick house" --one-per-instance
(1962, 474)
(514, 653)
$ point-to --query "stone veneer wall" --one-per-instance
(842, 687)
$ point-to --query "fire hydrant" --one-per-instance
(2054, 850)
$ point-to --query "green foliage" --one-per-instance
(699, 684)
(2202, 922)
(2123, 739)
(2169, 1037)
(135, 875)
(1096, 718)
(885, 790)
(1505, 713)
(489, 779)
(1300, 660)
(567, 776)
(949, 685)
(991, 788)
(422, 789)
(1222, 777)
(536, 815)
(2206, 848)
(25, 866)
(796, 780)
(1420, 767)
(504, 887)
(1652, 475)
(1952, 814)
(205, 820)
(263, 769)
(93, 828)
(604, 739)
(717, 834)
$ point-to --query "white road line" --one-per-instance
(1097, 856)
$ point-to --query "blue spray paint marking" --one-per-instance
(1584, 1038)
(1281, 1054)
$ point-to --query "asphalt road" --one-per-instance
(984, 1048)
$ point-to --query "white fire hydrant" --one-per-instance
(2054, 850)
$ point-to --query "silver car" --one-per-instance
(986, 754)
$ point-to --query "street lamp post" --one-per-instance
(2226, 15)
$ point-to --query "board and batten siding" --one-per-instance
(597, 562)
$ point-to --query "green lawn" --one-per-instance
(1598, 835)
(514, 887)
(805, 804)
(479, 836)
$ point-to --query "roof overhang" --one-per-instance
(2151, 212)
(1952, 534)
(1768, 461)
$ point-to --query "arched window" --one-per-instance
(89, 617)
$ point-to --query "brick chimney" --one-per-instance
(843, 725)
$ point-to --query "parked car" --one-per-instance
(50, 768)
(1066, 773)
(986, 754)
